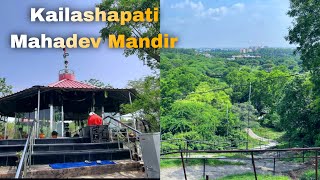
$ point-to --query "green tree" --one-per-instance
(97, 83)
(305, 34)
(298, 115)
(146, 107)
(4, 88)
(149, 56)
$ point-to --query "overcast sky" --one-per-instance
(226, 23)
(24, 68)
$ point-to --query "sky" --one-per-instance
(226, 23)
(197, 23)
(24, 68)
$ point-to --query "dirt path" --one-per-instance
(264, 166)
(271, 144)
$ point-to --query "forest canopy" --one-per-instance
(207, 96)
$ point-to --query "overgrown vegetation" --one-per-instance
(206, 98)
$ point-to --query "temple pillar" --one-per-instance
(38, 115)
(102, 114)
(51, 117)
(62, 121)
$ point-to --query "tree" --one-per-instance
(306, 34)
(146, 107)
(97, 83)
(299, 117)
(4, 88)
(150, 56)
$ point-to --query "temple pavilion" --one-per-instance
(58, 103)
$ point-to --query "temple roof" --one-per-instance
(67, 83)
(75, 100)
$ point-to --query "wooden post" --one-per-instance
(254, 166)
(183, 166)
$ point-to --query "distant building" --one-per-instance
(243, 50)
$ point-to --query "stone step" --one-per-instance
(59, 147)
(122, 169)
(46, 141)
(49, 157)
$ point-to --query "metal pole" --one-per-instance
(118, 133)
(254, 166)
(15, 125)
(183, 166)
(316, 165)
(5, 128)
(93, 102)
(51, 117)
(102, 114)
(62, 121)
(248, 116)
(38, 114)
(128, 138)
(130, 98)
(274, 166)
(204, 167)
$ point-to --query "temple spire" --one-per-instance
(66, 73)
(66, 62)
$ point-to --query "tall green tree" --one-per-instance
(146, 107)
(305, 33)
(149, 56)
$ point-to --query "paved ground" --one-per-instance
(127, 174)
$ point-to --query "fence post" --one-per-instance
(183, 166)
(207, 177)
(316, 165)
(303, 156)
(254, 166)
(204, 167)
(274, 166)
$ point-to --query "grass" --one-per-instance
(230, 155)
(250, 176)
(167, 163)
(253, 143)
(309, 175)
(268, 133)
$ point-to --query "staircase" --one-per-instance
(48, 151)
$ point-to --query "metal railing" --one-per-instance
(276, 157)
(25, 160)
(130, 142)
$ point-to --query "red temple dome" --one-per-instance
(67, 78)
